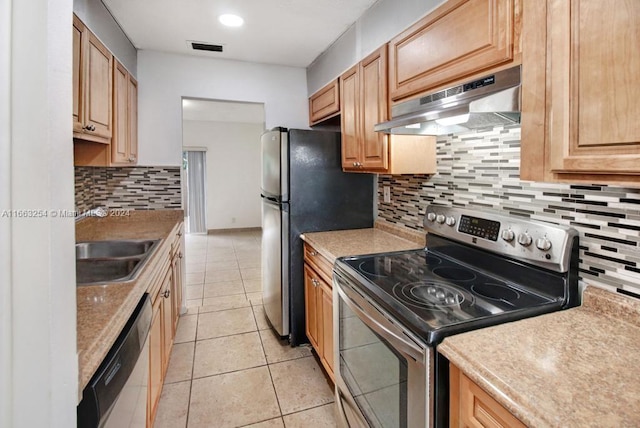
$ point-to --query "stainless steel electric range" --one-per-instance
(479, 269)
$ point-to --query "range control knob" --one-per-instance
(431, 216)
(450, 221)
(508, 235)
(524, 239)
(440, 218)
(543, 244)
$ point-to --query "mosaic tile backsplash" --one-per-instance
(481, 169)
(146, 188)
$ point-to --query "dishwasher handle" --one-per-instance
(103, 389)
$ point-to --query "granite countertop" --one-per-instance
(102, 311)
(379, 239)
(576, 367)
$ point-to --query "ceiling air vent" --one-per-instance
(206, 47)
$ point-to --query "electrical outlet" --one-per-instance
(386, 193)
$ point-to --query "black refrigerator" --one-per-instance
(303, 190)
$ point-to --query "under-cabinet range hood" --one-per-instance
(493, 100)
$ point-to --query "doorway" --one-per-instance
(228, 134)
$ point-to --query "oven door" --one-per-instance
(384, 375)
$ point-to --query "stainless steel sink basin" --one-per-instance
(104, 262)
(98, 271)
(111, 249)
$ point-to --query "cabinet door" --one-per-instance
(98, 87)
(373, 101)
(119, 142)
(350, 118)
(311, 308)
(594, 80)
(133, 120)
(460, 38)
(78, 77)
(176, 292)
(326, 304)
(155, 360)
(167, 320)
(325, 103)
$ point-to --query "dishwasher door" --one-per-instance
(116, 395)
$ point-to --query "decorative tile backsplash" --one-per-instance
(140, 187)
(481, 169)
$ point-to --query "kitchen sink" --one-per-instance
(111, 249)
(104, 262)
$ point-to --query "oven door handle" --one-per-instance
(398, 342)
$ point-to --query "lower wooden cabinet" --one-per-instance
(471, 406)
(166, 295)
(318, 295)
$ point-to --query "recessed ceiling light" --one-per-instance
(231, 20)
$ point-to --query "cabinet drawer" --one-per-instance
(317, 261)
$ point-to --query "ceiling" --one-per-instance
(222, 111)
(284, 32)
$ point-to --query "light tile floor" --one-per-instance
(227, 368)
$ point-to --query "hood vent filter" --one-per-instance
(206, 47)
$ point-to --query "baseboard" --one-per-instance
(235, 230)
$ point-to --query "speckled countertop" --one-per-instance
(573, 368)
(379, 239)
(102, 311)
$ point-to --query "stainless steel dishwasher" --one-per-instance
(116, 395)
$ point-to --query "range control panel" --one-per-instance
(543, 244)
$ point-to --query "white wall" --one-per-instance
(379, 24)
(38, 362)
(233, 171)
(165, 78)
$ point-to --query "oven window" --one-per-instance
(374, 373)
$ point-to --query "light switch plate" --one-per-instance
(386, 194)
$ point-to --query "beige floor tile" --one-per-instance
(251, 273)
(193, 303)
(173, 406)
(194, 291)
(200, 250)
(223, 265)
(227, 288)
(300, 384)
(194, 267)
(186, 331)
(233, 399)
(271, 423)
(228, 354)
(194, 278)
(318, 417)
(261, 317)
(219, 255)
(280, 350)
(225, 323)
(191, 310)
(222, 276)
(252, 285)
(250, 263)
(255, 298)
(223, 303)
(181, 363)
(196, 258)
(249, 254)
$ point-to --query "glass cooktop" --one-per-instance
(439, 295)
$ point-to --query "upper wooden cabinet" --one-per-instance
(124, 145)
(363, 100)
(363, 104)
(581, 85)
(92, 86)
(325, 103)
(459, 39)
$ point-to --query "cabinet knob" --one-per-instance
(132, 159)
(314, 282)
(179, 233)
(89, 128)
(166, 293)
(180, 254)
(313, 253)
